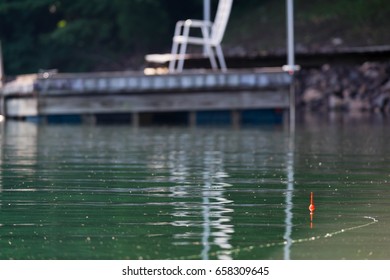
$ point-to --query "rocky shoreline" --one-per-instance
(364, 87)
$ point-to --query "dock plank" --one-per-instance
(168, 102)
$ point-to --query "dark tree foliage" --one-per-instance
(91, 35)
(80, 35)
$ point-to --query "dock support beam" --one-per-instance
(89, 119)
(290, 35)
(236, 119)
(192, 118)
(135, 119)
(291, 67)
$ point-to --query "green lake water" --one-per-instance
(116, 192)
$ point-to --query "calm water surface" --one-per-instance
(114, 192)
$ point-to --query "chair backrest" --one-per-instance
(221, 20)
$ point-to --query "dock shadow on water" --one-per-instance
(114, 192)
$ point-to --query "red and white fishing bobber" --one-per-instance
(311, 209)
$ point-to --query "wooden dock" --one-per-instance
(134, 93)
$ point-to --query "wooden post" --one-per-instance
(89, 119)
(192, 118)
(236, 119)
(135, 119)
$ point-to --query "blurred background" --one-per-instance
(108, 35)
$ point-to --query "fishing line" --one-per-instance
(313, 238)
(294, 241)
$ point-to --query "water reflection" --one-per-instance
(111, 193)
(185, 172)
(217, 223)
(289, 196)
(19, 141)
(199, 192)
